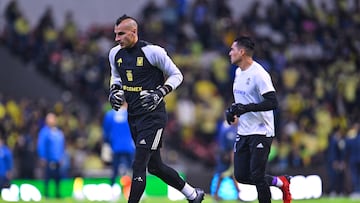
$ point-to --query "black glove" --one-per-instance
(150, 99)
(239, 109)
(116, 97)
(235, 109)
(229, 115)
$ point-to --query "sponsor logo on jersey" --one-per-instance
(132, 89)
(241, 92)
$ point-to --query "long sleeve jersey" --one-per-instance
(142, 67)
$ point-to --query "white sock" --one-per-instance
(189, 192)
(279, 182)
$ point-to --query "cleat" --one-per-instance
(199, 196)
(286, 188)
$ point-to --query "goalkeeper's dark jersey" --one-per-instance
(142, 67)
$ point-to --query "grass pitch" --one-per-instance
(208, 199)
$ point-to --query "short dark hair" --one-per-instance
(247, 43)
(124, 17)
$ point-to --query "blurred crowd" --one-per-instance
(311, 51)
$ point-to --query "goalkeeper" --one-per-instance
(143, 74)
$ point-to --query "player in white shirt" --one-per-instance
(255, 101)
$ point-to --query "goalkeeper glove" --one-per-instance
(150, 99)
(229, 115)
(116, 97)
(240, 109)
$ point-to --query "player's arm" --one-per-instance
(106, 126)
(267, 91)
(116, 96)
(115, 76)
(158, 57)
(269, 103)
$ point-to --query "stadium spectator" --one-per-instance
(353, 150)
(25, 153)
(117, 134)
(201, 17)
(337, 162)
(51, 150)
(137, 76)
(11, 13)
(6, 165)
(255, 100)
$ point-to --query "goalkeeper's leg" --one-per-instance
(172, 178)
(138, 182)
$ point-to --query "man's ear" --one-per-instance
(242, 51)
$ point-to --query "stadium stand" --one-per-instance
(310, 50)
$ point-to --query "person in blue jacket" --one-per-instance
(6, 165)
(51, 150)
(117, 134)
(223, 184)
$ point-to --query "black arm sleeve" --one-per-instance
(270, 103)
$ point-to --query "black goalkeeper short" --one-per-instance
(147, 129)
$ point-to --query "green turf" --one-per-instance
(208, 199)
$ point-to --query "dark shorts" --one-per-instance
(147, 129)
(251, 157)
